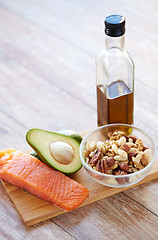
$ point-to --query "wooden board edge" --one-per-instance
(35, 220)
(117, 190)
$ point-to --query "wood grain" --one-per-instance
(116, 217)
(47, 61)
(12, 227)
(34, 210)
(33, 62)
(90, 38)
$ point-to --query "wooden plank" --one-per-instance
(140, 41)
(55, 61)
(11, 129)
(34, 210)
(116, 217)
(35, 103)
(12, 227)
(146, 195)
(78, 58)
(31, 97)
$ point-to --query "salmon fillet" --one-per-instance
(29, 173)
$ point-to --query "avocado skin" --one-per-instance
(77, 137)
(31, 138)
(72, 134)
(34, 154)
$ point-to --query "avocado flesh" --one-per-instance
(40, 141)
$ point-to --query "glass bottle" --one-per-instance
(115, 76)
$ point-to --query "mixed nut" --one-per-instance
(120, 155)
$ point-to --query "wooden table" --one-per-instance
(47, 80)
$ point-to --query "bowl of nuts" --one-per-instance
(117, 155)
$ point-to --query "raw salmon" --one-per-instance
(29, 173)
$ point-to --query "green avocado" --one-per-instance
(59, 151)
(34, 154)
(72, 134)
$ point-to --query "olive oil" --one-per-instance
(114, 104)
(115, 76)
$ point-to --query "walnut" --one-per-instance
(104, 166)
(136, 160)
(108, 146)
(139, 144)
(110, 154)
(87, 153)
(110, 134)
(96, 156)
(98, 165)
(116, 135)
(134, 139)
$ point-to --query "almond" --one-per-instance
(124, 167)
(110, 161)
(125, 147)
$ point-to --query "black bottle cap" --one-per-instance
(114, 25)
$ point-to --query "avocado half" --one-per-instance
(42, 141)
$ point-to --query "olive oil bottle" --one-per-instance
(115, 76)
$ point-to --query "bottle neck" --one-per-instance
(115, 42)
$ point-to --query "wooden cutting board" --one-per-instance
(34, 210)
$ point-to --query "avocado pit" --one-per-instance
(62, 152)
